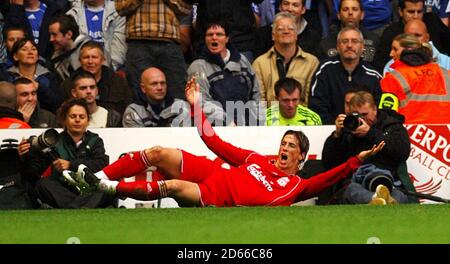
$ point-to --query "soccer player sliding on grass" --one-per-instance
(251, 179)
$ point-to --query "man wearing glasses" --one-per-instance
(350, 13)
(335, 75)
(229, 82)
(285, 59)
(307, 36)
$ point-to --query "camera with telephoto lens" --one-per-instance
(370, 176)
(352, 122)
(44, 141)
(373, 181)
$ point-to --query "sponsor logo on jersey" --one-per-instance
(96, 35)
(283, 181)
(255, 170)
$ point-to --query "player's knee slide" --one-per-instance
(154, 154)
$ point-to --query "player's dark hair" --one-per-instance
(303, 2)
(303, 140)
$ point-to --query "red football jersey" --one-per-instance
(251, 179)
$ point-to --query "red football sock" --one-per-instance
(142, 190)
(127, 166)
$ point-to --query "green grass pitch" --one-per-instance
(241, 225)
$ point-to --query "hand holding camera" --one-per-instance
(355, 123)
(339, 122)
(352, 121)
(42, 143)
(45, 140)
(24, 147)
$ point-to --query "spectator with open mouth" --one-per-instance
(229, 77)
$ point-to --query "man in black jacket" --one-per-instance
(336, 75)
(350, 13)
(373, 126)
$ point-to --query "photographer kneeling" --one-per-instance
(74, 146)
(360, 128)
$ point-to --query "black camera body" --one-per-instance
(352, 122)
(44, 141)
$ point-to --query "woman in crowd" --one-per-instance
(399, 43)
(418, 87)
(26, 64)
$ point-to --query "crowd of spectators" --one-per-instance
(241, 49)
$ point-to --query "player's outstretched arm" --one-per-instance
(320, 182)
(192, 92)
(230, 154)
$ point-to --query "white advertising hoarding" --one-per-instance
(428, 165)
